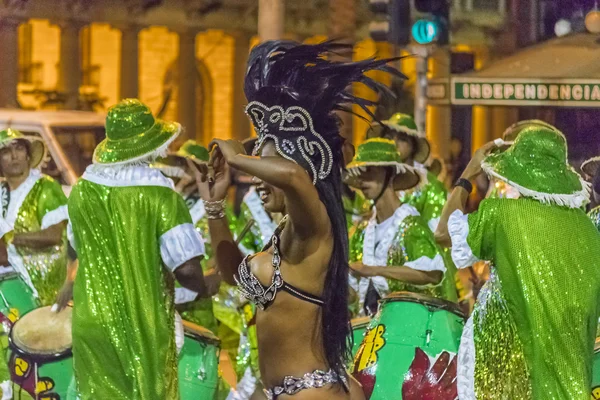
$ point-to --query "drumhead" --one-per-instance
(360, 322)
(200, 333)
(42, 334)
(425, 300)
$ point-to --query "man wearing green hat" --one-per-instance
(545, 282)
(32, 220)
(429, 198)
(132, 233)
(395, 250)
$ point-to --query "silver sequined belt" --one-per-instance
(315, 379)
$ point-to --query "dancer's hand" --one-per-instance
(64, 296)
(226, 149)
(212, 183)
(473, 169)
(213, 283)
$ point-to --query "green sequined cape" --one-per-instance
(123, 315)
(413, 240)
(545, 258)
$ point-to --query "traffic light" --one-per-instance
(435, 26)
(391, 22)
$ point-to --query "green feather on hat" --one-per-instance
(37, 147)
(402, 123)
(536, 166)
(380, 152)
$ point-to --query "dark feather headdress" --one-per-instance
(293, 92)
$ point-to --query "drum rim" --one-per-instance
(425, 300)
(10, 274)
(214, 339)
(36, 357)
(597, 345)
(362, 323)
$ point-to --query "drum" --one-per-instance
(596, 371)
(199, 363)
(16, 297)
(405, 323)
(359, 326)
(40, 359)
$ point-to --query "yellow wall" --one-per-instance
(158, 48)
(106, 53)
(216, 49)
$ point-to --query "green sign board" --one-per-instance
(520, 92)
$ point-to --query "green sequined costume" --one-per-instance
(356, 207)
(544, 282)
(406, 240)
(429, 200)
(130, 229)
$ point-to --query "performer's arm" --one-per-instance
(307, 213)
(459, 196)
(66, 292)
(51, 236)
(190, 275)
(400, 273)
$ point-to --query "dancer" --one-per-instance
(299, 281)
(129, 224)
(395, 250)
(542, 280)
(429, 199)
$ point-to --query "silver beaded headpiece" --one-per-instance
(293, 133)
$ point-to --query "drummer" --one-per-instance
(396, 237)
(129, 224)
(32, 220)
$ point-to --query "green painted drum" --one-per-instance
(199, 363)
(16, 298)
(40, 359)
(596, 371)
(359, 326)
(405, 323)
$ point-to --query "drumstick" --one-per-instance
(244, 231)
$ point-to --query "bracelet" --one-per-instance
(215, 209)
(465, 184)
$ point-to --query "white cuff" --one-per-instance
(7, 392)
(180, 244)
(183, 295)
(425, 263)
(458, 228)
(179, 332)
(433, 224)
(55, 216)
(71, 235)
(197, 212)
(4, 227)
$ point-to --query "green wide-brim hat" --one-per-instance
(37, 147)
(511, 133)
(590, 166)
(133, 134)
(380, 152)
(403, 123)
(536, 166)
(193, 151)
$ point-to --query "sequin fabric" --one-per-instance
(550, 284)
(47, 267)
(123, 318)
(428, 200)
(413, 240)
(357, 209)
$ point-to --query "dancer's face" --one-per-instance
(14, 159)
(272, 198)
(372, 181)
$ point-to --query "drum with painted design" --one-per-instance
(596, 371)
(16, 297)
(199, 363)
(40, 359)
(359, 327)
(388, 357)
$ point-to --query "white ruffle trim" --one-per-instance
(264, 222)
(17, 196)
(71, 235)
(197, 211)
(425, 263)
(245, 387)
(458, 229)
(55, 216)
(573, 200)
(433, 224)
(7, 392)
(179, 332)
(183, 295)
(4, 227)
(180, 244)
(128, 175)
(465, 374)
(15, 259)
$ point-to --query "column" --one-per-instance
(187, 83)
(69, 74)
(129, 61)
(271, 19)
(9, 65)
(438, 126)
(241, 124)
